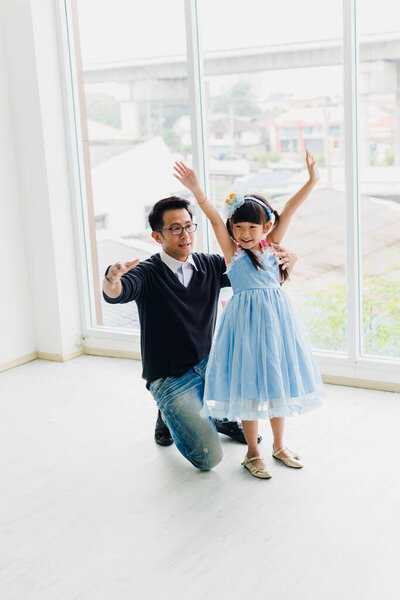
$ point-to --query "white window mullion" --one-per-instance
(197, 107)
(353, 254)
(73, 122)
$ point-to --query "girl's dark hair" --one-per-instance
(156, 216)
(252, 212)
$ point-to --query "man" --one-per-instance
(177, 293)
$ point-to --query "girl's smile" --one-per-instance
(249, 235)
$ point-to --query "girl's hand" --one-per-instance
(187, 177)
(312, 168)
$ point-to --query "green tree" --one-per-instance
(157, 116)
(239, 99)
(103, 108)
(381, 316)
(172, 139)
(266, 157)
(325, 316)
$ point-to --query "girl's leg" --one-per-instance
(250, 430)
(278, 426)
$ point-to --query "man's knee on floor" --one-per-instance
(210, 458)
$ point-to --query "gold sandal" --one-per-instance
(293, 461)
(261, 473)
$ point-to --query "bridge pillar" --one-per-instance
(144, 93)
(397, 118)
(376, 78)
(130, 118)
(363, 130)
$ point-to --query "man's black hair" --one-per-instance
(157, 212)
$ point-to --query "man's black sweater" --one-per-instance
(176, 322)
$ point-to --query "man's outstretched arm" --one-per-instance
(112, 286)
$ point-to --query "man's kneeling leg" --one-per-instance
(180, 400)
(232, 429)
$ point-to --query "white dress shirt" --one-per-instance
(183, 270)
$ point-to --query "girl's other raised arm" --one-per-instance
(279, 230)
(188, 178)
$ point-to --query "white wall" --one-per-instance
(16, 320)
(40, 174)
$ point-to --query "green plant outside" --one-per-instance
(265, 158)
(172, 139)
(325, 317)
(104, 109)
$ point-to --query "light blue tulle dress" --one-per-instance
(261, 364)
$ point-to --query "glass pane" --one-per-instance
(274, 89)
(379, 160)
(135, 113)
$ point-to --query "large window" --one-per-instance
(240, 94)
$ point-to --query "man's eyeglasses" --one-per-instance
(176, 230)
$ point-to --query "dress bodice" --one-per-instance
(243, 276)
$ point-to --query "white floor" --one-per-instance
(92, 509)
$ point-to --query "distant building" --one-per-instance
(311, 128)
(126, 186)
(301, 128)
(106, 141)
(229, 133)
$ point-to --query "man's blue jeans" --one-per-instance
(180, 400)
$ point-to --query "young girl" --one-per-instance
(260, 365)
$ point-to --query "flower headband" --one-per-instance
(235, 200)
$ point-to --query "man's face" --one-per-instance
(177, 246)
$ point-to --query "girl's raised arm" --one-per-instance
(279, 230)
(188, 178)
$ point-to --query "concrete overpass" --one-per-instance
(165, 78)
(384, 47)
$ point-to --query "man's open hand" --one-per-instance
(116, 271)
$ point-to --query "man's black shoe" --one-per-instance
(162, 434)
(233, 430)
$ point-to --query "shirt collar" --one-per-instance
(174, 264)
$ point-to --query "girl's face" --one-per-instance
(249, 235)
